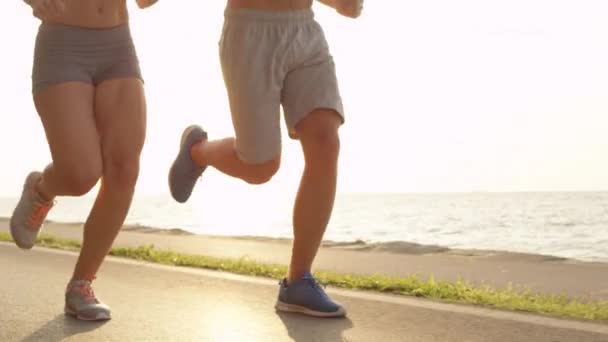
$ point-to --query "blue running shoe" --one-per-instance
(307, 296)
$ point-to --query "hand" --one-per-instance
(46, 9)
(349, 8)
(145, 3)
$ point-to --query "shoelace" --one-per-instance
(38, 214)
(313, 281)
(319, 287)
(85, 290)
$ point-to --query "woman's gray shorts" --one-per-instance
(69, 53)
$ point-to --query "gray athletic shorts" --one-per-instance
(68, 53)
(271, 59)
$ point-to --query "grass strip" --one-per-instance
(510, 298)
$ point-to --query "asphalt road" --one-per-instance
(160, 303)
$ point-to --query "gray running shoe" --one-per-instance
(29, 214)
(81, 303)
(184, 172)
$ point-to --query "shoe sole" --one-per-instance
(99, 317)
(284, 307)
(13, 228)
(16, 241)
(185, 134)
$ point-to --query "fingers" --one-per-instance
(145, 3)
(351, 8)
(358, 8)
(47, 9)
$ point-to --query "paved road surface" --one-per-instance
(158, 303)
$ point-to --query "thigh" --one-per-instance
(253, 82)
(318, 125)
(67, 114)
(120, 112)
(312, 84)
(256, 121)
(310, 89)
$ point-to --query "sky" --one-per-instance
(440, 95)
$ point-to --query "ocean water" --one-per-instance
(572, 225)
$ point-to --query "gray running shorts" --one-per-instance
(69, 53)
(271, 59)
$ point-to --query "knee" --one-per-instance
(319, 136)
(262, 173)
(121, 172)
(326, 142)
(80, 179)
(323, 145)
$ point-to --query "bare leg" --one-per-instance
(222, 155)
(121, 120)
(318, 134)
(66, 111)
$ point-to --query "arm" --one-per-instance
(330, 3)
(44, 9)
(145, 3)
(347, 8)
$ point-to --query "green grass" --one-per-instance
(458, 292)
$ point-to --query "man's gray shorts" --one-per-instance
(69, 53)
(271, 59)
